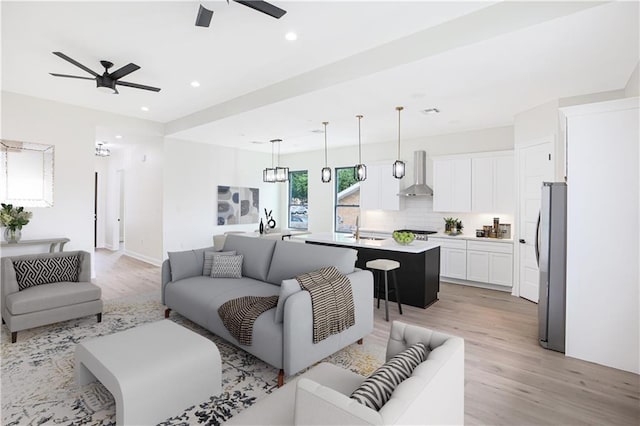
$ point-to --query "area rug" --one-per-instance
(38, 385)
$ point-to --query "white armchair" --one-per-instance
(434, 394)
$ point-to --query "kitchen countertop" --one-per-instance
(385, 244)
(471, 237)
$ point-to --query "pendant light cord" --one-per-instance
(325, 142)
(399, 109)
(359, 141)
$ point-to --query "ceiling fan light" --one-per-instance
(360, 172)
(398, 169)
(326, 174)
(105, 89)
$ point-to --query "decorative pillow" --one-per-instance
(33, 272)
(287, 288)
(377, 389)
(208, 260)
(225, 266)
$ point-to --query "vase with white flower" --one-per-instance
(13, 219)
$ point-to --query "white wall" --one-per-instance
(192, 174)
(416, 213)
(603, 282)
(633, 85)
(73, 132)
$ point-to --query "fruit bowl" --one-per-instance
(404, 238)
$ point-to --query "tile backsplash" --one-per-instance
(417, 213)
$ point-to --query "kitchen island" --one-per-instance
(419, 273)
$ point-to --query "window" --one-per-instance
(298, 200)
(347, 200)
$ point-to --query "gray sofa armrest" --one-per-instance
(299, 351)
(84, 268)
(166, 278)
(9, 283)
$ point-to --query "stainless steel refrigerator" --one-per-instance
(551, 250)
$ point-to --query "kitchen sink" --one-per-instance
(372, 238)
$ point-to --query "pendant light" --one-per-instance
(359, 170)
(399, 166)
(101, 151)
(282, 173)
(326, 170)
(269, 174)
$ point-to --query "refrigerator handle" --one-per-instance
(537, 246)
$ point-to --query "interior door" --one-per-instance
(535, 166)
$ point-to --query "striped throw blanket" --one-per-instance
(331, 301)
(239, 315)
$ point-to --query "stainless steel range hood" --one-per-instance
(420, 188)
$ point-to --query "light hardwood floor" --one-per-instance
(509, 378)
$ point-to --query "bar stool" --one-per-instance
(384, 266)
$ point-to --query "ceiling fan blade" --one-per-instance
(76, 63)
(126, 70)
(264, 7)
(204, 17)
(71, 76)
(137, 86)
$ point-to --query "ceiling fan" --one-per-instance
(108, 80)
(205, 15)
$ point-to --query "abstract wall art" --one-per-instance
(237, 205)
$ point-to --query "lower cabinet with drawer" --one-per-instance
(489, 262)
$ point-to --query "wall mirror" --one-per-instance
(26, 173)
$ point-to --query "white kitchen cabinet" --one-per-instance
(477, 266)
(501, 269)
(453, 257)
(493, 189)
(490, 262)
(380, 190)
(452, 185)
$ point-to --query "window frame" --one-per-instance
(335, 200)
(289, 204)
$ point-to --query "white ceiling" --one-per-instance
(480, 63)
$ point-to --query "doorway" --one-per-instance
(121, 210)
(535, 166)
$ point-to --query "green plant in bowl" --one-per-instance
(404, 238)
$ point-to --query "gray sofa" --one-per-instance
(286, 345)
(49, 302)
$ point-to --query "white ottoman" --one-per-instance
(153, 371)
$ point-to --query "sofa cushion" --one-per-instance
(46, 270)
(377, 389)
(208, 260)
(227, 266)
(291, 259)
(257, 253)
(188, 263)
(287, 288)
(50, 296)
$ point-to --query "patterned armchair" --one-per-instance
(42, 289)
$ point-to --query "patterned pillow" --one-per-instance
(225, 266)
(208, 260)
(33, 272)
(377, 389)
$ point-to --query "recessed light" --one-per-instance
(144, 108)
(430, 111)
(291, 36)
(118, 136)
(195, 83)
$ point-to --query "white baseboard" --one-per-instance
(475, 284)
(111, 247)
(143, 258)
